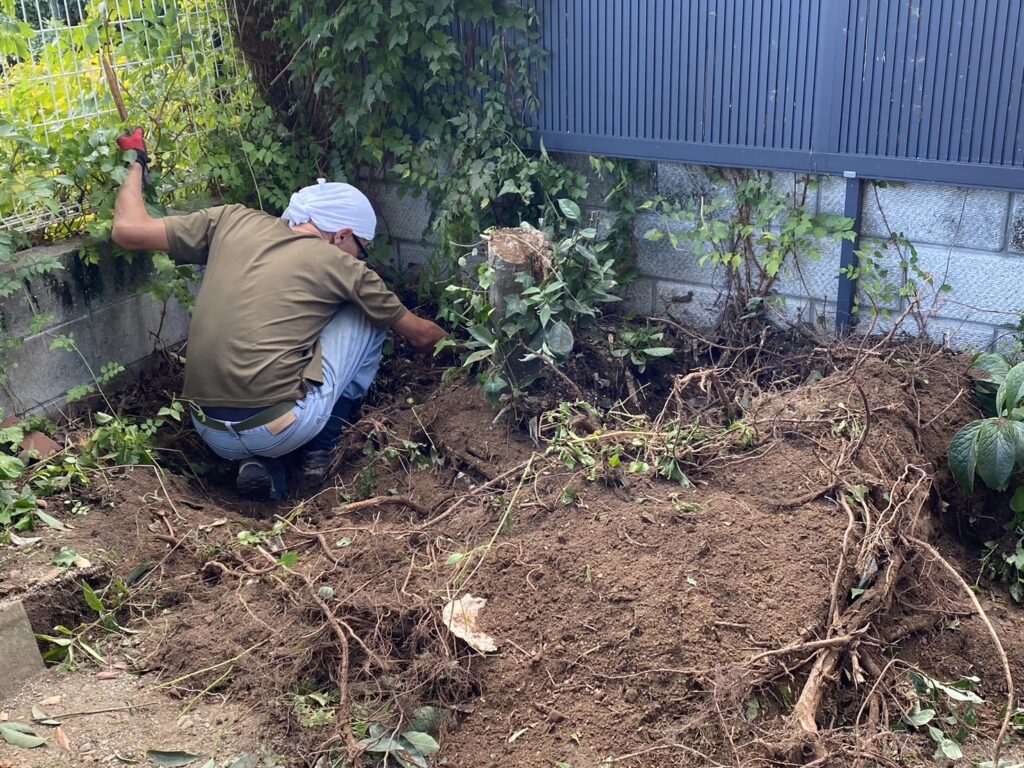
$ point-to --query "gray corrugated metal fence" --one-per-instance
(921, 90)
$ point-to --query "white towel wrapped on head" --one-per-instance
(332, 206)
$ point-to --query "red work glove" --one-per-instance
(135, 140)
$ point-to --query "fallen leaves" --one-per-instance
(61, 737)
(20, 735)
(170, 759)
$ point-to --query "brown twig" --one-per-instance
(380, 501)
(84, 712)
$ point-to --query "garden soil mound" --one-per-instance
(637, 622)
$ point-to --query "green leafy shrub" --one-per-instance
(539, 323)
(946, 711)
(432, 96)
(750, 228)
(23, 487)
(992, 448)
(639, 345)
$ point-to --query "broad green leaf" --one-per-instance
(383, 744)
(10, 467)
(97, 656)
(51, 521)
(963, 455)
(922, 717)
(20, 727)
(950, 749)
(993, 364)
(1015, 431)
(558, 336)
(659, 351)
(493, 388)
(170, 759)
(427, 719)
(1010, 391)
(24, 738)
(959, 694)
(423, 742)
(476, 357)
(481, 333)
(570, 210)
(92, 599)
(996, 453)
(1017, 558)
(1017, 502)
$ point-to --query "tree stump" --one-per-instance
(510, 253)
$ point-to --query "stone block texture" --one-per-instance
(966, 218)
(103, 307)
(638, 297)
(984, 287)
(970, 239)
(687, 303)
(401, 216)
(19, 655)
(805, 310)
(816, 278)
(1016, 233)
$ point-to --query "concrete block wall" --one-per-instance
(106, 309)
(969, 239)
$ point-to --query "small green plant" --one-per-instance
(752, 229)
(68, 646)
(382, 443)
(576, 437)
(993, 448)
(65, 558)
(247, 538)
(365, 484)
(314, 709)
(946, 710)
(117, 440)
(538, 323)
(887, 272)
(409, 748)
(639, 345)
(24, 488)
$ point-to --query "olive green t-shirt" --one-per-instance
(267, 294)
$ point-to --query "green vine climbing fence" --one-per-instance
(73, 72)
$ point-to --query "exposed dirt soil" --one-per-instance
(110, 717)
(638, 622)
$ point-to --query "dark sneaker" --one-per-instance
(256, 480)
(315, 464)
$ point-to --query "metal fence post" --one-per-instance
(853, 209)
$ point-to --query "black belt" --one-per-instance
(261, 419)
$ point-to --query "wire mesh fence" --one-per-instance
(74, 73)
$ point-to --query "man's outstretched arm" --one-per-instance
(134, 228)
(423, 334)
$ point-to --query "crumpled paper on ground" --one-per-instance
(460, 616)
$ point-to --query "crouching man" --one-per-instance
(288, 326)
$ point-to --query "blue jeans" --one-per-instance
(351, 350)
